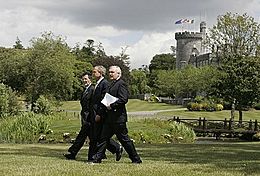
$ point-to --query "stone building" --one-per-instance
(191, 48)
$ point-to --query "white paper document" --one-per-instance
(108, 99)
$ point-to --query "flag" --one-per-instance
(179, 22)
(189, 21)
(182, 21)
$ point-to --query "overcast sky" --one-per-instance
(146, 27)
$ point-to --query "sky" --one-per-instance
(143, 27)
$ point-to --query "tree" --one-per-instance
(163, 62)
(138, 84)
(9, 104)
(186, 82)
(18, 44)
(160, 62)
(108, 61)
(13, 67)
(49, 69)
(235, 42)
(124, 57)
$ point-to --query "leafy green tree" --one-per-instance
(108, 61)
(86, 53)
(235, 42)
(9, 104)
(138, 84)
(13, 67)
(163, 62)
(166, 83)
(160, 62)
(50, 69)
(124, 57)
(18, 44)
(186, 82)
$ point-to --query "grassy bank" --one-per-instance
(233, 159)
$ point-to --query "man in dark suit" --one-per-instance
(97, 121)
(86, 114)
(116, 118)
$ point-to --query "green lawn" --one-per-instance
(218, 115)
(202, 159)
(235, 159)
(138, 105)
(132, 105)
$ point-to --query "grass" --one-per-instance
(152, 129)
(235, 159)
(132, 106)
(202, 159)
(218, 115)
(138, 105)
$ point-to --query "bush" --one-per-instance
(181, 134)
(43, 105)
(219, 107)
(199, 99)
(194, 106)
(204, 106)
(24, 128)
(9, 104)
(161, 131)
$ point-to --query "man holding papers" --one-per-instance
(116, 117)
(97, 121)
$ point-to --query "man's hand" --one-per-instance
(109, 107)
(97, 118)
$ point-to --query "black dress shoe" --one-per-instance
(70, 156)
(104, 156)
(119, 153)
(96, 161)
(137, 162)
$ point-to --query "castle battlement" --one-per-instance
(188, 35)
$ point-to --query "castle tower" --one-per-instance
(203, 32)
(187, 43)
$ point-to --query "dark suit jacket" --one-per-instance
(85, 102)
(117, 114)
(98, 95)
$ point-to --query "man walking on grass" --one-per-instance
(86, 115)
(116, 118)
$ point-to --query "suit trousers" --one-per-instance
(121, 132)
(80, 139)
(112, 145)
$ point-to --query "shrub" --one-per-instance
(154, 98)
(196, 107)
(161, 131)
(43, 105)
(23, 128)
(9, 104)
(204, 106)
(219, 107)
(199, 99)
(181, 133)
(189, 106)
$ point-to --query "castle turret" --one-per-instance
(203, 32)
(186, 42)
(203, 27)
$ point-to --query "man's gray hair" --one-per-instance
(101, 69)
(117, 69)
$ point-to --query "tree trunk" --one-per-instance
(240, 116)
(233, 111)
